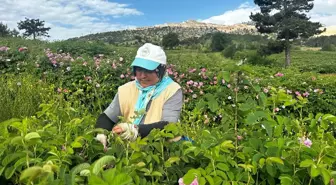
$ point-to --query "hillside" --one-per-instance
(185, 30)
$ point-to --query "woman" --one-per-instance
(152, 92)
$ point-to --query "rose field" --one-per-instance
(248, 124)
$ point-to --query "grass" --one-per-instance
(21, 95)
(315, 61)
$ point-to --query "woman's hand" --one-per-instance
(118, 129)
(103, 139)
(126, 131)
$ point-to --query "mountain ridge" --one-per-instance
(186, 30)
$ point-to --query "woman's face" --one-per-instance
(146, 77)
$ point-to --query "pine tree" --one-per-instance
(33, 27)
(287, 19)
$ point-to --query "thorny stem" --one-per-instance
(249, 178)
(213, 166)
(163, 159)
(310, 180)
(236, 113)
(236, 120)
(298, 158)
(127, 153)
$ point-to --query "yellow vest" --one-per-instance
(128, 96)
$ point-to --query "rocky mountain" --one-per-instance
(186, 30)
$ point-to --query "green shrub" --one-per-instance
(78, 48)
(21, 95)
(328, 47)
(272, 47)
(219, 41)
(252, 57)
(230, 51)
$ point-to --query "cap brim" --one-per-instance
(144, 63)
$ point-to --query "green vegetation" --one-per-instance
(251, 120)
(170, 40)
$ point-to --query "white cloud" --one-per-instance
(324, 11)
(239, 15)
(67, 18)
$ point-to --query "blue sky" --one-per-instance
(73, 18)
(161, 11)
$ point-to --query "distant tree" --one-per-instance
(231, 50)
(14, 33)
(33, 27)
(272, 47)
(4, 30)
(219, 41)
(138, 39)
(288, 21)
(170, 40)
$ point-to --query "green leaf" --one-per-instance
(94, 180)
(10, 158)
(31, 173)
(2, 168)
(85, 173)
(21, 162)
(257, 157)
(281, 142)
(156, 158)
(100, 163)
(286, 180)
(122, 179)
(190, 176)
(210, 180)
(18, 140)
(271, 170)
(32, 135)
(136, 155)
(145, 170)
(255, 143)
(223, 167)
(251, 118)
(212, 103)
(246, 106)
(172, 160)
(230, 175)
(112, 177)
(328, 117)
(268, 128)
(227, 145)
(226, 75)
(325, 175)
(290, 102)
(76, 144)
(9, 172)
(275, 160)
(156, 173)
(75, 170)
(222, 174)
(262, 162)
(314, 171)
(140, 165)
(202, 181)
(188, 150)
(306, 163)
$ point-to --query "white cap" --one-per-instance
(150, 56)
